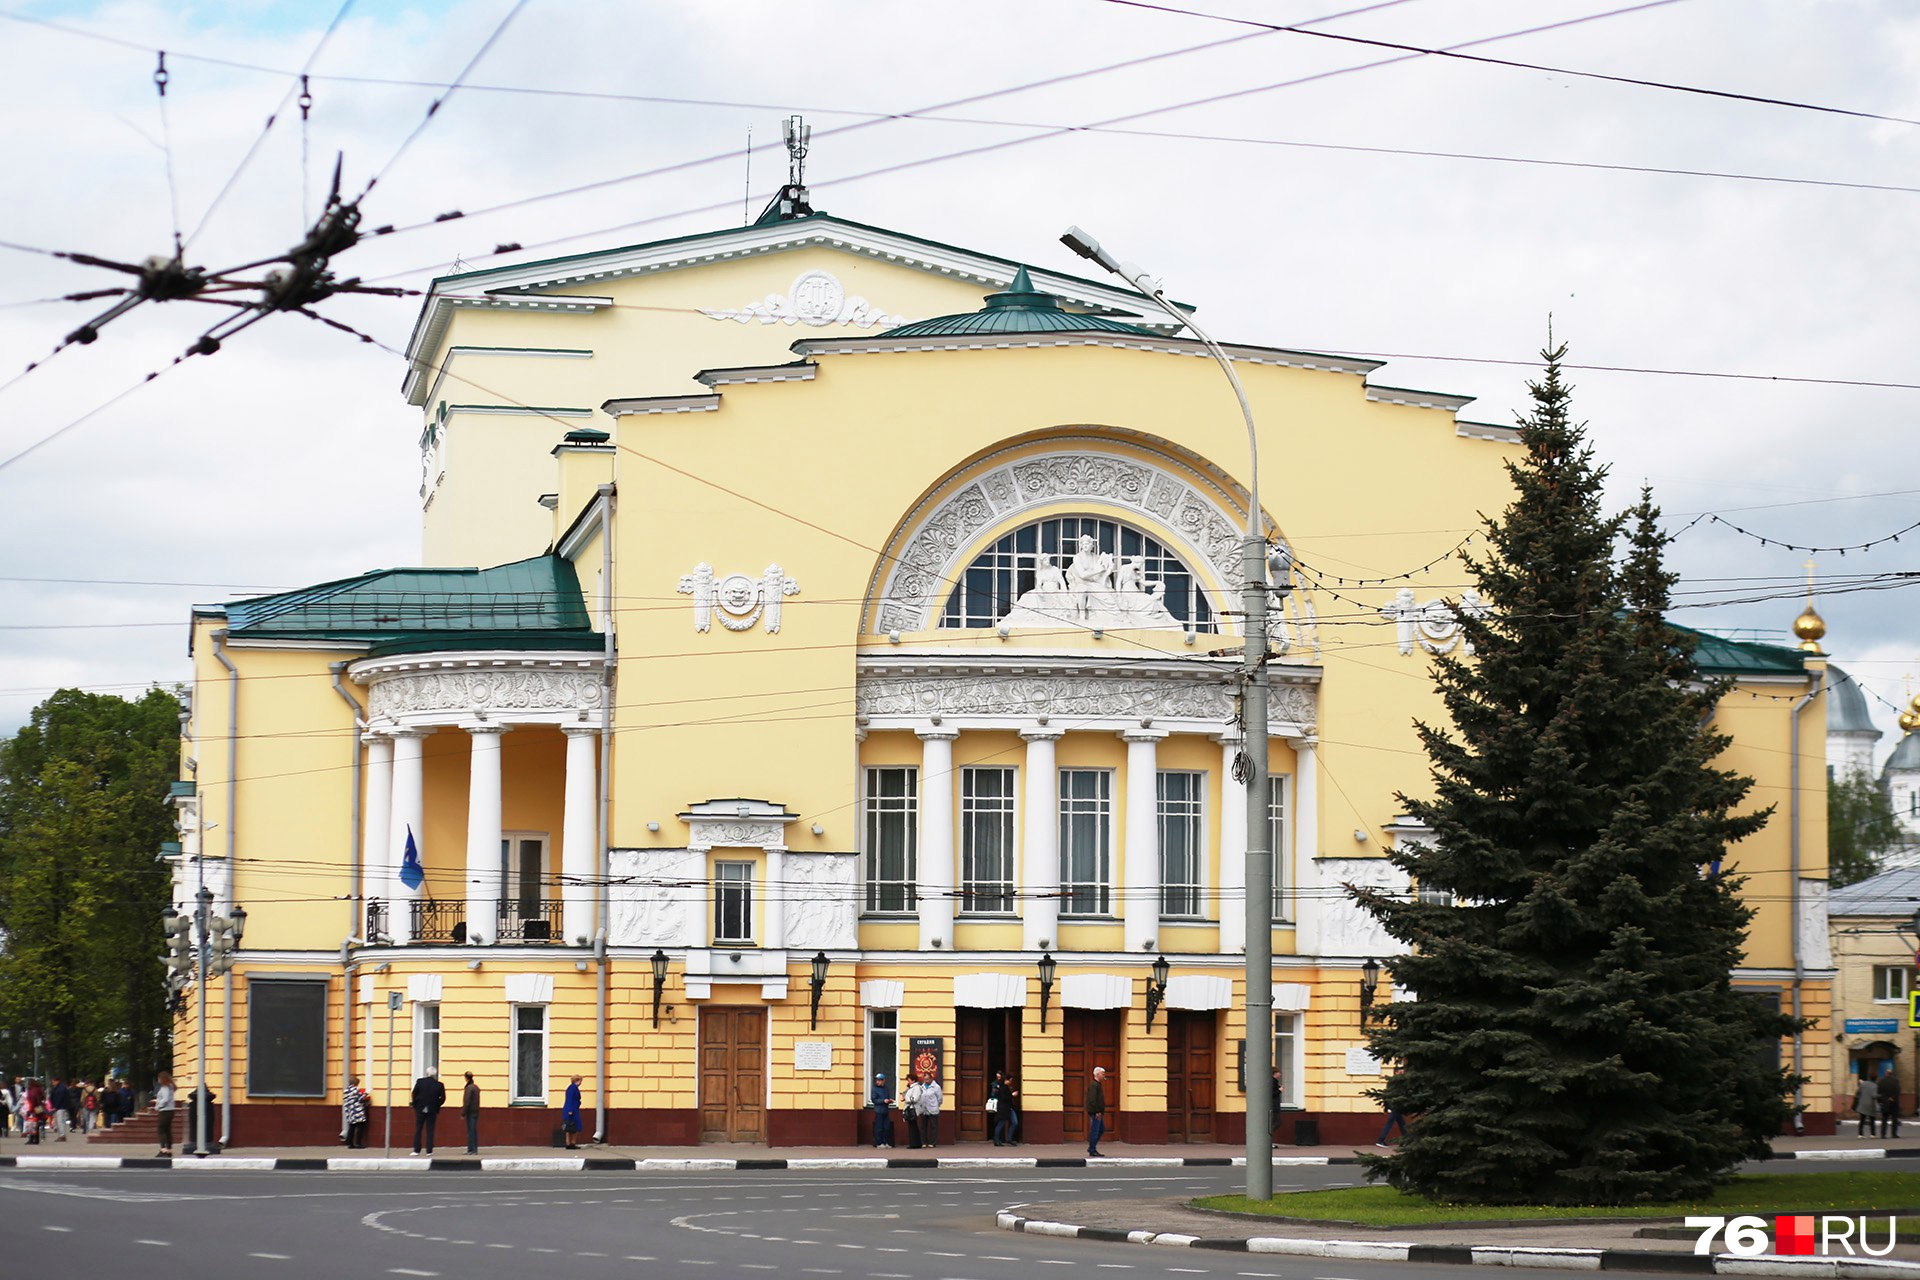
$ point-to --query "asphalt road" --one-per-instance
(866, 1225)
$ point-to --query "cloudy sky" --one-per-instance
(1739, 272)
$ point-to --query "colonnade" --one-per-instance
(396, 806)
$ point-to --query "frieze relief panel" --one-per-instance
(1130, 698)
(913, 591)
(1346, 927)
(532, 689)
(657, 897)
(706, 833)
(821, 893)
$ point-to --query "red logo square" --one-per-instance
(1794, 1234)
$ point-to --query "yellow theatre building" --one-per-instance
(827, 660)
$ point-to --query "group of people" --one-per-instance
(1877, 1102)
(428, 1099)
(57, 1108)
(919, 1104)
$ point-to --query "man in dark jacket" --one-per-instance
(470, 1111)
(1889, 1104)
(429, 1095)
(60, 1103)
(1096, 1110)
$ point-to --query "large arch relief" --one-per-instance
(1175, 499)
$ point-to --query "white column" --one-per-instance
(579, 830)
(1233, 852)
(936, 873)
(1306, 845)
(1140, 874)
(408, 814)
(1040, 843)
(376, 869)
(484, 887)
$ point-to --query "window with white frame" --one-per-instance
(1181, 817)
(986, 841)
(883, 1053)
(529, 1053)
(892, 835)
(1007, 570)
(1278, 842)
(733, 902)
(1891, 983)
(1285, 1056)
(1086, 842)
(426, 1038)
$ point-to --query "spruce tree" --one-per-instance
(1572, 1036)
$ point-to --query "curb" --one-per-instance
(1854, 1153)
(1553, 1259)
(592, 1164)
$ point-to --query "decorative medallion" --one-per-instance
(739, 600)
(1434, 624)
(816, 298)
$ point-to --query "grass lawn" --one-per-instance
(1382, 1206)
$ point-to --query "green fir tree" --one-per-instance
(1573, 1037)
(1862, 828)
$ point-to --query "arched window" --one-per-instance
(1004, 572)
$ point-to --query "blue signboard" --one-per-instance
(1872, 1026)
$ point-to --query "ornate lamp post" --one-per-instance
(1369, 983)
(817, 983)
(1157, 988)
(1047, 966)
(659, 983)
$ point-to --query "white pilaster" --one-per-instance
(1040, 843)
(408, 814)
(1233, 852)
(376, 868)
(484, 887)
(579, 830)
(773, 903)
(936, 870)
(1140, 877)
(1308, 908)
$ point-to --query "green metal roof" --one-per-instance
(1719, 656)
(1020, 309)
(533, 603)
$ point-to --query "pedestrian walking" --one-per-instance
(429, 1095)
(1889, 1103)
(354, 1109)
(1010, 1110)
(1866, 1105)
(1394, 1120)
(999, 1108)
(1096, 1111)
(910, 1108)
(882, 1112)
(89, 1106)
(60, 1103)
(470, 1112)
(109, 1104)
(7, 1104)
(570, 1114)
(163, 1104)
(1273, 1110)
(931, 1096)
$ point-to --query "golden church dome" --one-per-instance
(1810, 626)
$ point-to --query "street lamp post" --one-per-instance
(1259, 904)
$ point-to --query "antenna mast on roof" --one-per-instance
(792, 202)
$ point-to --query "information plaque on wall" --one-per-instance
(813, 1055)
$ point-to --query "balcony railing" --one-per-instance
(444, 920)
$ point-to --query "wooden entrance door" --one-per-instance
(1190, 1076)
(989, 1041)
(733, 1082)
(1089, 1038)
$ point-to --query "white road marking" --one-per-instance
(409, 1271)
(499, 1246)
(59, 1228)
(537, 1249)
(164, 1244)
(273, 1257)
(641, 1257)
(696, 1262)
(759, 1266)
(586, 1254)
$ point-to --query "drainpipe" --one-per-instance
(1793, 897)
(353, 891)
(233, 852)
(606, 809)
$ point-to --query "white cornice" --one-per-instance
(1418, 399)
(757, 373)
(585, 525)
(432, 393)
(317, 646)
(1128, 342)
(661, 404)
(521, 410)
(1486, 431)
(440, 309)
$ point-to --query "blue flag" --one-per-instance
(412, 874)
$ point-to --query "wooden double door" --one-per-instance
(733, 1075)
(1089, 1038)
(1191, 1066)
(989, 1041)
